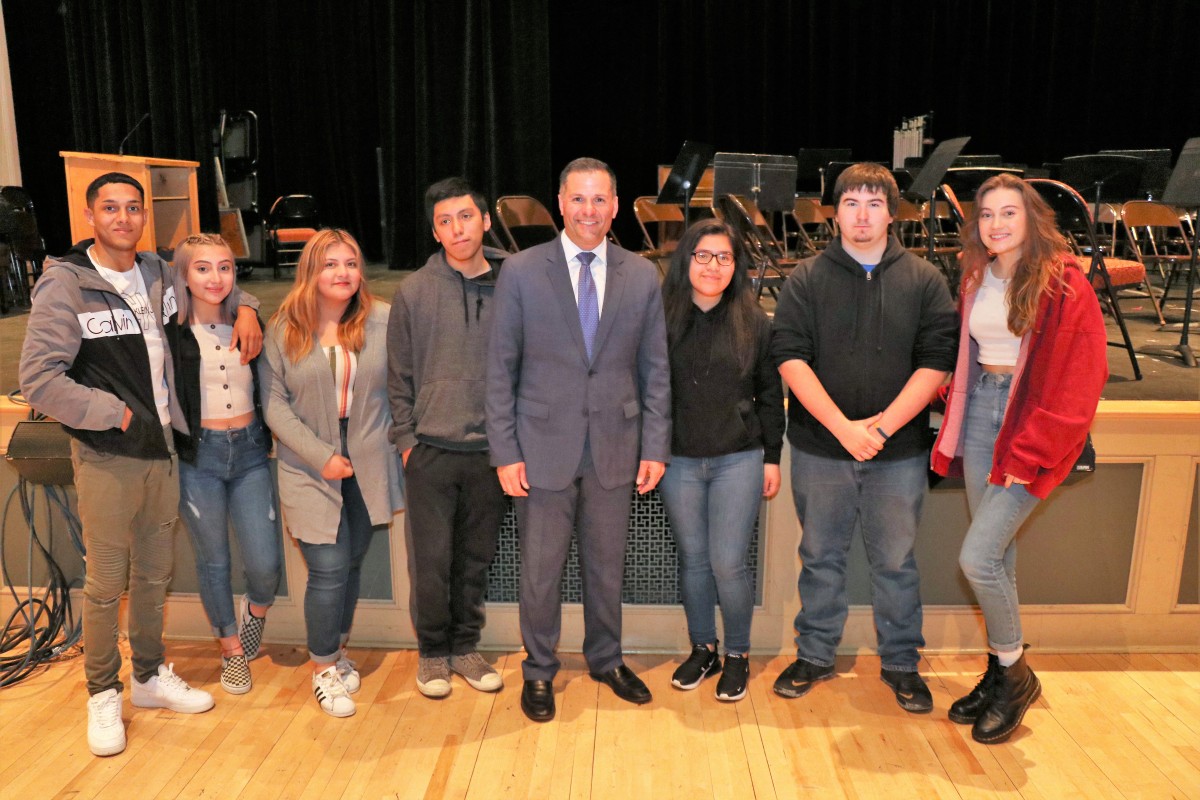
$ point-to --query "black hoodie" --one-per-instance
(864, 334)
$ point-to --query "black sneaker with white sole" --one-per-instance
(699, 665)
(734, 677)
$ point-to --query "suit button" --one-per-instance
(591, 373)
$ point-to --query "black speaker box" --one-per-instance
(40, 452)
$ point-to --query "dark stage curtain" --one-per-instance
(128, 59)
(467, 93)
(441, 88)
(506, 92)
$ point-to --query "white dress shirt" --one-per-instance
(599, 268)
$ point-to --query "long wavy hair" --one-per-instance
(297, 314)
(742, 312)
(1044, 254)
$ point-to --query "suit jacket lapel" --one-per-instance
(614, 285)
(560, 283)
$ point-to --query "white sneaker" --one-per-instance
(331, 693)
(346, 670)
(106, 732)
(168, 690)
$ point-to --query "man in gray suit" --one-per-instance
(578, 410)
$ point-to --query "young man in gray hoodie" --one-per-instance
(437, 361)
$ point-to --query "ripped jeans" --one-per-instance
(230, 480)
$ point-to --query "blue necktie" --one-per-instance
(589, 308)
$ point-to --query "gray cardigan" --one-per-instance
(300, 407)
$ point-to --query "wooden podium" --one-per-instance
(172, 209)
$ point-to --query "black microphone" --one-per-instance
(121, 147)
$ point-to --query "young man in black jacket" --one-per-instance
(864, 335)
(437, 362)
(96, 358)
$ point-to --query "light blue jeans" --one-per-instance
(230, 479)
(989, 551)
(712, 504)
(835, 496)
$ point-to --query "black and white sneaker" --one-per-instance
(235, 674)
(734, 678)
(331, 693)
(698, 666)
(250, 630)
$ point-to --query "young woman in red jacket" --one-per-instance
(1031, 365)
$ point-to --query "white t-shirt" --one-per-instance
(989, 323)
(132, 288)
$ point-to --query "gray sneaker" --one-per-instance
(433, 676)
(477, 672)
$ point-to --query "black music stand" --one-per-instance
(926, 183)
(1183, 191)
(685, 176)
(1113, 178)
(811, 163)
(770, 181)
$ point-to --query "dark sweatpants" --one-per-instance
(454, 510)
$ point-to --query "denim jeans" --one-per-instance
(712, 504)
(334, 575)
(230, 480)
(989, 551)
(833, 497)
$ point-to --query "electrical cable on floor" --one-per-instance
(42, 626)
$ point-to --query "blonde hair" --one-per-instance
(1044, 254)
(185, 251)
(297, 315)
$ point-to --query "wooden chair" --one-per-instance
(1157, 240)
(813, 228)
(524, 221)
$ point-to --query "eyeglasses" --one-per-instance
(704, 256)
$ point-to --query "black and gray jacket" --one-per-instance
(437, 355)
(84, 360)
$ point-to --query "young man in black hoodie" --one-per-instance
(437, 361)
(864, 335)
(97, 358)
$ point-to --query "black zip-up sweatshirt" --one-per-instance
(864, 334)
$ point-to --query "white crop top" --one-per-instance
(989, 323)
(226, 384)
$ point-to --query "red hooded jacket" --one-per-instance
(1056, 387)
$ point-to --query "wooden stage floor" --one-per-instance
(1121, 726)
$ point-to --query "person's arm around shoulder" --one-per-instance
(247, 332)
(506, 341)
(654, 384)
(52, 340)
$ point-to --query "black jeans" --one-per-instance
(454, 510)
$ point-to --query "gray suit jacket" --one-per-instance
(545, 400)
(300, 406)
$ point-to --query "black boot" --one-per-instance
(1013, 691)
(966, 710)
